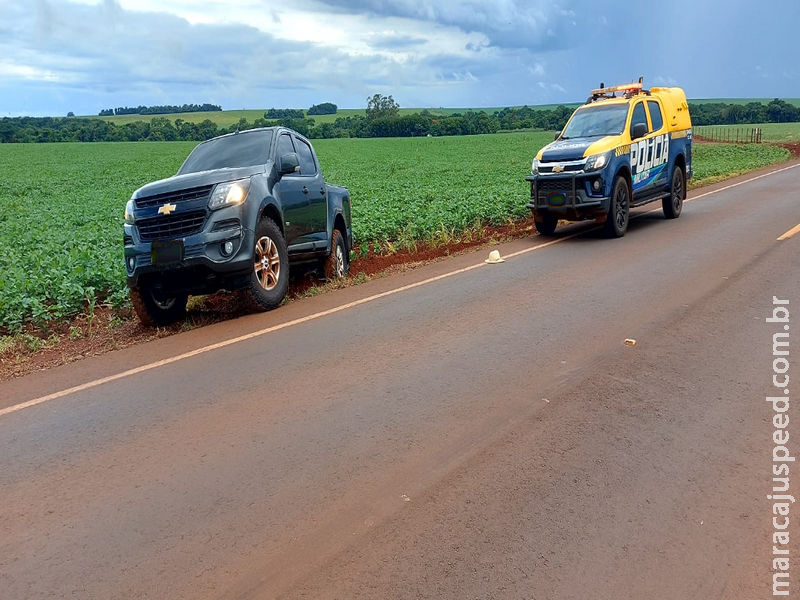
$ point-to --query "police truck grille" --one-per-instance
(171, 227)
(198, 193)
(545, 188)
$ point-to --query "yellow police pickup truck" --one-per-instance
(625, 147)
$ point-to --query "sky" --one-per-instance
(82, 56)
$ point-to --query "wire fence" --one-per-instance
(731, 135)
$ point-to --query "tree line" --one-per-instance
(720, 113)
(381, 121)
(163, 109)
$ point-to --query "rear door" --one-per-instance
(659, 159)
(314, 187)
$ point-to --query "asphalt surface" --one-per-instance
(487, 434)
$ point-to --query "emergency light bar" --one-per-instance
(628, 89)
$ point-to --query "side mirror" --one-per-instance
(288, 163)
(638, 130)
(558, 135)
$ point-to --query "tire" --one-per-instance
(673, 204)
(269, 278)
(155, 309)
(545, 224)
(337, 264)
(619, 209)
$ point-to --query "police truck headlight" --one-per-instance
(229, 193)
(129, 212)
(535, 166)
(597, 161)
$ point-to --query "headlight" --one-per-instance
(597, 161)
(535, 166)
(229, 193)
(129, 212)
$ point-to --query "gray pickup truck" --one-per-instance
(242, 209)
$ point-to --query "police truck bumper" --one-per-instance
(570, 197)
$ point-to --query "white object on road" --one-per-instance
(494, 258)
(630, 342)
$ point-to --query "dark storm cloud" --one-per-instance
(58, 55)
(533, 24)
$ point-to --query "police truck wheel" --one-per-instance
(155, 308)
(619, 209)
(545, 223)
(673, 204)
(269, 278)
(336, 265)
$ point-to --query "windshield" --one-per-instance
(597, 121)
(239, 150)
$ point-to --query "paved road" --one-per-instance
(482, 435)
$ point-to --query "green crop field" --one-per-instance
(712, 162)
(61, 205)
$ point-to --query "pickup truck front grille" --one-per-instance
(198, 193)
(554, 192)
(172, 226)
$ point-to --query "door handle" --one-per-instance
(305, 190)
(322, 191)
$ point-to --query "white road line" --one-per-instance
(794, 230)
(160, 363)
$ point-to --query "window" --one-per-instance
(240, 150)
(639, 116)
(596, 120)
(307, 165)
(655, 114)
(284, 145)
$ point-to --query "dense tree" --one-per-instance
(326, 108)
(284, 113)
(380, 106)
(164, 109)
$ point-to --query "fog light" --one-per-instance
(227, 248)
(131, 263)
(596, 185)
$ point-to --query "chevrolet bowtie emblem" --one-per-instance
(166, 209)
(558, 168)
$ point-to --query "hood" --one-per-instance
(562, 150)
(577, 148)
(192, 180)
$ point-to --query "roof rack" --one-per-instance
(627, 89)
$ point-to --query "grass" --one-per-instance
(713, 162)
(742, 101)
(227, 118)
(770, 132)
(61, 205)
(230, 117)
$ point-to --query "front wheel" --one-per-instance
(619, 209)
(336, 265)
(269, 278)
(673, 204)
(545, 223)
(155, 308)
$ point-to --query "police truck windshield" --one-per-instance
(595, 121)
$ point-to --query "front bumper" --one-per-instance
(568, 196)
(204, 266)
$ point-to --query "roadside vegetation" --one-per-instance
(61, 205)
